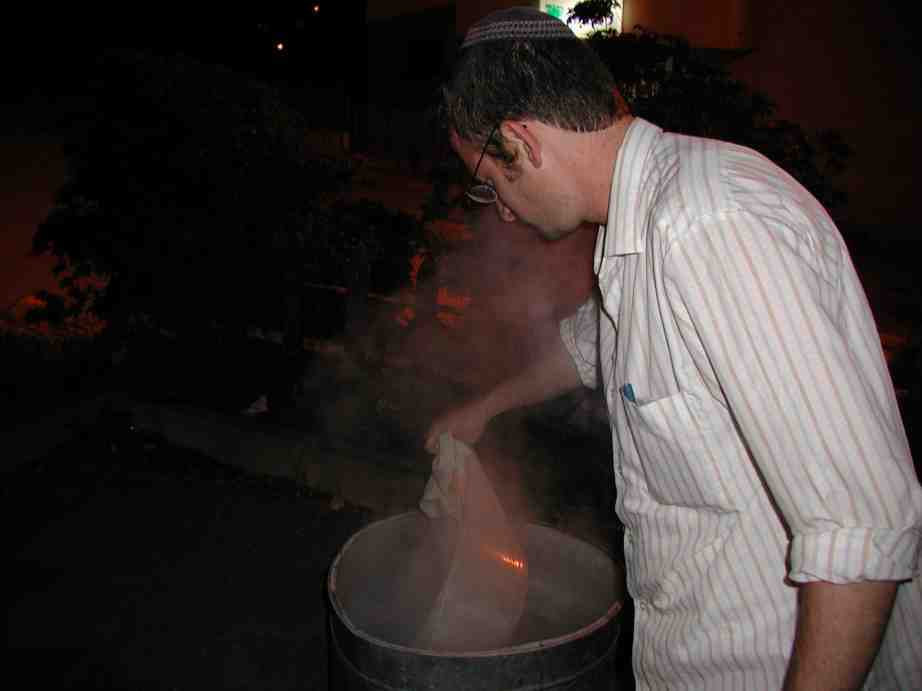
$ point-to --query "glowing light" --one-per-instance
(561, 10)
(519, 564)
(316, 9)
(280, 47)
(514, 563)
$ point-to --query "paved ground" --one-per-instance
(134, 563)
(133, 567)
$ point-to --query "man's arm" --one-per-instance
(839, 630)
(801, 369)
(551, 375)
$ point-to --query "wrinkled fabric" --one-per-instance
(482, 599)
(758, 442)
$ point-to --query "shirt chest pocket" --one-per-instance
(686, 448)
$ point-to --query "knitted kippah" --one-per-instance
(516, 23)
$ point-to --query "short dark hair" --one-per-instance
(557, 81)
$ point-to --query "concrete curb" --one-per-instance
(382, 483)
(372, 480)
(31, 441)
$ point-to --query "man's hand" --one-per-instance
(839, 629)
(465, 423)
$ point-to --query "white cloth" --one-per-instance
(757, 436)
(444, 492)
(483, 596)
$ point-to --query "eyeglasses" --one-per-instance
(480, 191)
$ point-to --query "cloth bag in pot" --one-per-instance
(483, 595)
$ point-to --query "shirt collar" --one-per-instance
(625, 231)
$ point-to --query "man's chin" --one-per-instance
(552, 234)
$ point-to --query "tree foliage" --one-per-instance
(593, 12)
(667, 82)
(192, 198)
(177, 184)
(663, 79)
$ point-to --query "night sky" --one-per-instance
(242, 36)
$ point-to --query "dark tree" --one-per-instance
(193, 200)
(594, 12)
(666, 81)
(179, 179)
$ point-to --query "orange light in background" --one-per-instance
(446, 298)
(280, 47)
(316, 9)
(405, 316)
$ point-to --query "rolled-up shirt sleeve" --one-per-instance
(782, 322)
(580, 335)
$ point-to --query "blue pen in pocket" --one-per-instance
(628, 392)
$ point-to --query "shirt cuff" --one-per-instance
(580, 344)
(851, 555)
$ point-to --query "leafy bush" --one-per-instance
(181, 181)
(664, 80)
(193, 199)
(364, 244)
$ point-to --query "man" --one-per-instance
(771, 509)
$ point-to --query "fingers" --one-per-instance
(444, 424)
(449, 423)
(465, 423)
(432, 440)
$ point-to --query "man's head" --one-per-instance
(521, 65)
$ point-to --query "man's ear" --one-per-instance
(505, 213)
(523, 137)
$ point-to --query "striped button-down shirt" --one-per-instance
(757, 438)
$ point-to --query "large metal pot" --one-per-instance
(566, 638)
